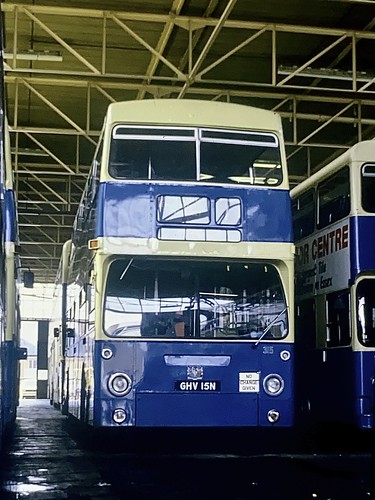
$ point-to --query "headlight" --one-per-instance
(273, 385)
(119, 384)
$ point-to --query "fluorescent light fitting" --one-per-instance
(28, 152)
(254, 180)
(265, 164)
(32, 55)
(332, 74)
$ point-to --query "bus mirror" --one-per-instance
(70, 332)
(28, 279)
(56, 332)
(21, 352)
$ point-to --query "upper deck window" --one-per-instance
(333, 197)
(304, 214)
(368, 188)
(192, 154)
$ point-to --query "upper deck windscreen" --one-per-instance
(368, 187)
(195, 154)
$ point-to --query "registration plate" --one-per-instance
(197, 385)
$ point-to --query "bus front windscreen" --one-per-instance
(194, 299)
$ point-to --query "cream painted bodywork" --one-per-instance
(281, 255)
(192, 113)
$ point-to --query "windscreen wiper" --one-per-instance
(268, 327)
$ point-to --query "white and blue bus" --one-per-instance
(2, 260)
(334, 227)
(178, 283)
(10, 349)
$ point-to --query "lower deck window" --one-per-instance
(155, 298)
(338, 319)
(365, 300)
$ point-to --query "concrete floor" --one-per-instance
(42, 461)
(48, 458)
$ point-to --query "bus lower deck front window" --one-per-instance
(194, 299)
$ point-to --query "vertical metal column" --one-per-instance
(42, 364)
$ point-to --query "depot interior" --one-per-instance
(314, 66)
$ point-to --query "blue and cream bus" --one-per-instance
(178, 282)
(2, 260)
(10, 282)
(10, 351)
(334, 227)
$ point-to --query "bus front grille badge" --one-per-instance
(195, 372)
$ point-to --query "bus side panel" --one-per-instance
(364, 376)
(362, 239)
(334, 394)
(194, 384)
(324, 381)
(10, 382)
(331, 386)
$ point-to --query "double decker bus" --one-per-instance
(10, 350)
(177, 287)
(12, 353)
(334, 227)
(2, 245)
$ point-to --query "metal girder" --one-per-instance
(59, 40)
(119, 55)
(198, 22)
(57, 110)
(176, 8)
(201, 57)
(40, 195)
(50, 153)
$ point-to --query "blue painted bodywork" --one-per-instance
(362, 245)
(154, 400)
(364, 366)
(10, 216)
(129, 210)
(2, 284)
(340, 388)
(10, 379)
(10, 343)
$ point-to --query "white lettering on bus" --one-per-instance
(189, 386)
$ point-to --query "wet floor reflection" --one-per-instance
(48, 458)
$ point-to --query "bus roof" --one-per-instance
(194, 112)
(363, 151)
